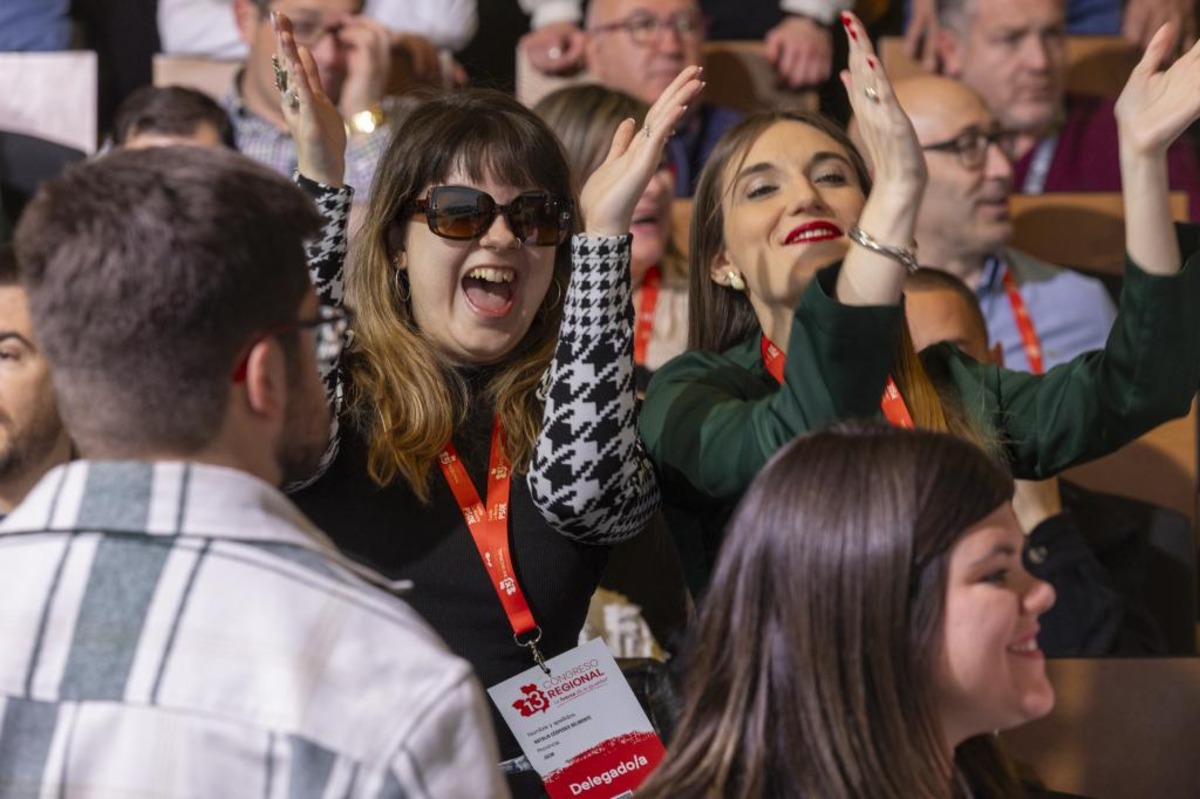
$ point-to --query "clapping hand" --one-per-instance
(1155, 107)
(612, 192)
(889, 140)
(315, 123)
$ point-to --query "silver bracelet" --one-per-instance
(907, 256)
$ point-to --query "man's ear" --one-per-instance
(949, 52)
(247, 16)
(266, 379)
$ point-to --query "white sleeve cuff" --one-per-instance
(823, 11)
(548, 12)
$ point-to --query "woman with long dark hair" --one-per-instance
(797, 263)
(869, 626)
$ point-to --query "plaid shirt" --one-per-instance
(261, 140)
(182, 630)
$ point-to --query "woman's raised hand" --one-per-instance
(1155, 106)
(314, 121)
(888, 137)
(889, 216)
(612, 192)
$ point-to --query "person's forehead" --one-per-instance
(607, 10)
(949, 113)
(325, 8)
(993, 15)
(14, 310)
(789, 138)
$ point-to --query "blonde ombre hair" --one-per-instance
(404, 393)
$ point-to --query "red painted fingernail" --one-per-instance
(871, 62)
(846, 19)
(853, 35)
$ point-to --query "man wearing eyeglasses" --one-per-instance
(796, 34)
(173, 624)
(352, 53)
(964, 227)
(638, 47)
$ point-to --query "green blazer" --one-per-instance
(710, 421)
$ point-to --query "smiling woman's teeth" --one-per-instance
(492, 275)
(1025, 646)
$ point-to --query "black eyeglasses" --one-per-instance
(971, 146)
(644, 27)
(329, 332)
(538, 218)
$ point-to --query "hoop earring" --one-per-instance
(558, 298)
(735, 280)
(402, 290)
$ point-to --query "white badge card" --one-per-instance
(580, 726)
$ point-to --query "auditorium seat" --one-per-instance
(738, 74)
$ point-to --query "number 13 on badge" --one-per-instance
(580, 726)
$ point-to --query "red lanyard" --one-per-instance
(1029, 337)
(489, 529)
(645, 315)
(892, 403)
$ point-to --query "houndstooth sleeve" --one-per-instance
(326, 262)
(591, 479)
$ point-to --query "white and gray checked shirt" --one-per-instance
(182, 630)
(262, 141)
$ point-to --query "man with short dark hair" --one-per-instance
(154, 116)
(173, 624)
(32, 437)
(353, 56)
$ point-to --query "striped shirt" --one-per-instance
(182, 630)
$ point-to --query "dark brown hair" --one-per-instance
(171, 111)
(404, 393)
(812, 669)
(720, 317)
(149, 272)
(927, 279)
(9, 274)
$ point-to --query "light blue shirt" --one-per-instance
(35, 25)
(1071, 313)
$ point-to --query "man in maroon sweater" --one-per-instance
(1013, 52)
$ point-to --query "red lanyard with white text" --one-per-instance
(488, 525)
(892, 403)
(644, 324)
(1029, 337)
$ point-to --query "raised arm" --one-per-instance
(889, 216)
(1154, 109)
(320, 138)
(591, 479)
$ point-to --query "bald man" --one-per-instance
(964, 228)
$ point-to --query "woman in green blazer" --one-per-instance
(796, 276)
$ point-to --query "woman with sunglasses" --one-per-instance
(797, 265)
(488, 451)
